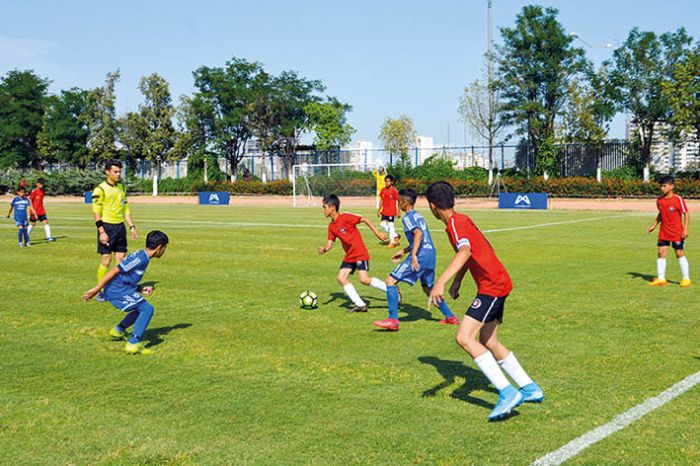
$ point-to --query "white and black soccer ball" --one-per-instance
(308, 300)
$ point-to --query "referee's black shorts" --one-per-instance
(117, 239)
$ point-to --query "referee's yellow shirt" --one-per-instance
(110, 202)
(381, 180)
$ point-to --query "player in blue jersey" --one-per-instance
(121, 288)
(419, 265)
(20, 204)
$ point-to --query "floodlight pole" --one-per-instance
(490, 83)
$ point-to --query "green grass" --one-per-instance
(241, 375)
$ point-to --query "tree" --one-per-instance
(481, 115)
(22, 95)
(191, 143)
(397, 135)
(638, 70)
(100, 120)
(682, 92)
(64, 135)
(329, 123)
(225, 102)
(157, 113)
(536, 64)
(132, 133)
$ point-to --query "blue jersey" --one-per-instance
(126, 282)
(20, 206)
(426, 252)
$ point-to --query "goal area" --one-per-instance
(310, 182)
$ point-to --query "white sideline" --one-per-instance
(526, 227)
(577, 445)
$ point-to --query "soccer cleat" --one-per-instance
(388, 324)
(136, 348)
(51, 239)
(685, 283)
(532, 393)
(508, 399)
(21, 245)
(100, 298)
(358, 309)
(29, 245)
(116, 334)
(657, 282)
(392, 245)
(450, 321)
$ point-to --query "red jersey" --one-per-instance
(389, 197)
(671, 209)
(37, 198)
(344, 227)
(490, 275)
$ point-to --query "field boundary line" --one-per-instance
(579, 444)
(563, 222)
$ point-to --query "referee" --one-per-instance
(110, 209)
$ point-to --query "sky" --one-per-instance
(385, 58)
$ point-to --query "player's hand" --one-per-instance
(134, 234)
(104, 238)
(146, 290)
(383, 236)
(321, 250)
(379, 213)
(397, 257)
(415, 266)
(454, 289)
(685, 234)
(89, 294)
(651, 228)
(436, 294)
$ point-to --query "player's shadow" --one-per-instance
(415, 313)
(646, 276)
(38, 242)
(347, 304)
(453, 370)
(154, 335)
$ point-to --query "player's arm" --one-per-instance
(686, 224)
(655, 224)
(377, 233)
(32, 212)
(89, 294)
(326, 248)
(10, 211)
(381, 203)
(418, 236)
(97, 214)
(132, 227)
(456, 264)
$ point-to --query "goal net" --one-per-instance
(311, 182)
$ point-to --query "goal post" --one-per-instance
(310, 182)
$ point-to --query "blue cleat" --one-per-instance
(100, 297)
(532, 393)
(508, 399)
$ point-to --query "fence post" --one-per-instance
(252, 164)
(503, 158)
(177, 170)
(272, 168)
(416, 156)
(365, 159)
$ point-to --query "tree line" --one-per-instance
(231, 105)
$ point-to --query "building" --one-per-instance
(668, 156)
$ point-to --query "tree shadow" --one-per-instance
(415, 313)
(154, 335)
(450, 371)
(646, 277)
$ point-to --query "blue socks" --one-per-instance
(128, 321)
(19, 235)
(392, 298)
(445, 309)
(143, 318)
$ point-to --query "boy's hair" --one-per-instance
(41, 180)
(333, 200)
(156, 238)
(390, 178)
(667, 179)
(20, 189)
(409, 194)
(441, 194)
(112, 163)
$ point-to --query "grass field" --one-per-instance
(241, 375)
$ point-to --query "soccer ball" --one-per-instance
(308, 300)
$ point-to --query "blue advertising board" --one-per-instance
(214, 198)
(522, 201)
(88, 197)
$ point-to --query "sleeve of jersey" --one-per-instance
(408, 224)
(97, 200)
(126, 202)
(355, 219)
(684, 207)
(331, 235)
(459, 235)
(129, 263)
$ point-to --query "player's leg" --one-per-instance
(345, 270)
(367, 280)
(20, 236)
(25, 235)
(427, 280)
(660, 279)
(47, 228)
(679, 247)
(392, 232)
(119, 331)
(145, 314)
(392, 299)
(32, 224)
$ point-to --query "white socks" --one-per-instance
(488, 365)
(29, 230)
(378, 284)
(685, 268)
(385, 225)
(47, 230)
(392, 232)
(515, 370)
(661, 269)
(353, 295)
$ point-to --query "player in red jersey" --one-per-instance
(37, 198)
(675, 220)
(473, 253)
(389, 209)
(344, 227)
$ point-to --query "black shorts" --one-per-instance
(41, 218)
(486, 308)
(677, 245)
(359, 265)
(388, 218)
(117, 239)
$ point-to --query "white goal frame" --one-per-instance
(306, 169)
